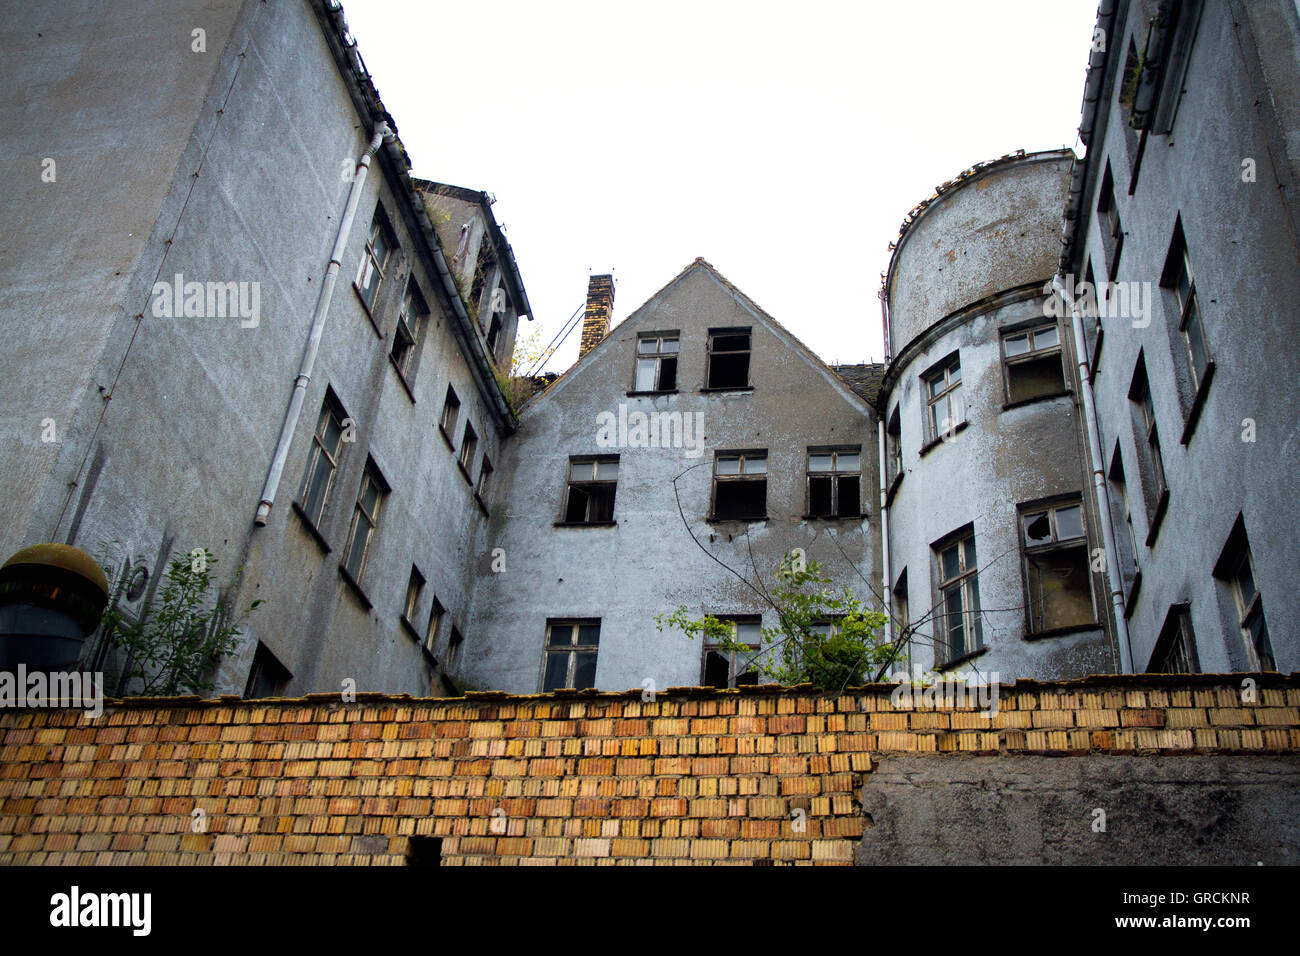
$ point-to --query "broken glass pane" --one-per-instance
(1037, 528)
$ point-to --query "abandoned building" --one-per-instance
(1075, 459)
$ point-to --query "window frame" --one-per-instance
(657, 357)
(1109, 223)
(1177, 640)
(450, 417)
(967, 580)
(1032, 355)
(468, 449)
(733, 665)
(1249, 613)
(436, 615)
(1151, 464)
(942, 371)
(595, 461)
(370, 477)
(331, 408)
(1191, 327)
(712, 351)
(1122, 514)
(380, 227)
(572, 650)
(741, 456)
(835, 475)
(408, 333)
(411, 601)
(1036, 608)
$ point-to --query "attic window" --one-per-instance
(728, 358)
(740, 486)
(656, 363)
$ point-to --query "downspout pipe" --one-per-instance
(886, 594)
(294, 412)
(1092, 438)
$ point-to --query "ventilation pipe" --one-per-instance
(1092, 438)
(382, 134)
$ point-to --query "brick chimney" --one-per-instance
(600, 306)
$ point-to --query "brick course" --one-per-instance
(695, 776)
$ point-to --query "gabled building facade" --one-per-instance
(695, 445)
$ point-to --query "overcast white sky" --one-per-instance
(783, 142)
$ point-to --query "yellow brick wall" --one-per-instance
(693, 777)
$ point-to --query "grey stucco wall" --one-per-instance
(186, 441)
(647, 563)
(1005, 456)
(999, 229)
(1242, 247)
(1158, 811)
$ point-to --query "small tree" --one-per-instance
(179, 636)
(797, 650)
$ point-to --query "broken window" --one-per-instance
(410, 326)
(1236, 567)
(1150, 462)
(450, 413)
(1179, 281)
(1057, 569)
(835, 483)
(740, 486)
(734, 668)
(945, 409)
(1031, 361)
(365, 518)
(323, 461)
(1112, 233)
(656, 363)
(1122, 520)
(468, 445)
(370, 271)
(414, 588)
(267, 677)
(1175, 651)
(729, 358)
(961, 629)
(901, 619)
(493, 336)
(570, 657)
(592, 484)
(455, 645)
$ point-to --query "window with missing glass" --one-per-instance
(1056, 566)
(960, 628)
(468, 446)
(740, 486)
(1031, 363)
(570, 657)
(1112, 232)
(365, 520)
(323, 459)
(411, 604)
(656, 362)
(835, 482)
(728, 364)
(1122, 521)
(944, 408)
(589, 498)
(729, 666)
(374, 260)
